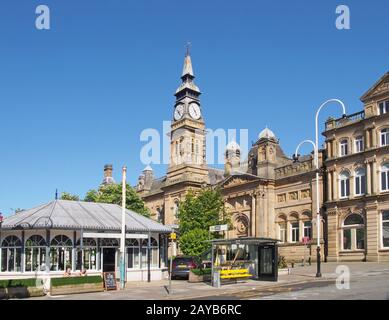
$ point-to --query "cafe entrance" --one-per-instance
(109, 258)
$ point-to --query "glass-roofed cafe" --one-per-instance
(79, 236)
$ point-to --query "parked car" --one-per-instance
(182, 265)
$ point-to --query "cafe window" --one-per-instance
(35, 252)
(11, 253)
(353, 233)
(86, 254)
(60, 253)
(385, 229)
(154, 256)
(133, 261)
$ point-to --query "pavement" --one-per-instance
(367, 281)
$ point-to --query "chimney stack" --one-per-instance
(108, 168)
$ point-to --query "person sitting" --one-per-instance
(83, 272)
(68, 272)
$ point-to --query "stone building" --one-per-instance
(270, 195)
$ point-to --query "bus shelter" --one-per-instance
(253, 258)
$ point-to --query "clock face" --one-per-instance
(194, 111)
(179, 112)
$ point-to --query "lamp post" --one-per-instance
(123, 234)
(316, 155)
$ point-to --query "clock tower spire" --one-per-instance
(187, 140)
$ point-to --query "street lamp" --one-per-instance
(123, 233)
(316, 155)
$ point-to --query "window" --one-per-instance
(86, 254)
(175, 209)
(360, 182)
(35, 252)
(133, 254)
(359, 144)
(385, 177)
(308, 229)
(295, 231)
(11, 253)
(282, 235)
(384, 137)
(383, 107)
(60, 253)
(385, 229)
(344, 147)
(154, 256)
(344, 180)
(353, 233)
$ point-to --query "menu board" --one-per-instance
(109, 281)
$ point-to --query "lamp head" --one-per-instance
(344, 115)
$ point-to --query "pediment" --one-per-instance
(237, 180)
(380, 87)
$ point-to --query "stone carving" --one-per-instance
(242, 225)
(305, 194)
(293, 195)
(281, 197)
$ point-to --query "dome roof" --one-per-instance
(267, 134)
(232, 145)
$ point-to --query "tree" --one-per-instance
(112, 193)
(69, 196)
(196, 214)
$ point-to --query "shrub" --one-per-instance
(13, 283)
(57, 282)
(201, 272)
(282, 264)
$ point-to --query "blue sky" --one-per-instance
(78, 96)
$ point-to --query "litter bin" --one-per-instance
(216, 279)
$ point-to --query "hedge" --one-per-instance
(57, 282)
(201, 272)
(31, 282)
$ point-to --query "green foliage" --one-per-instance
(69, 196)
(196, 214)
(12, 283)
(282, 264)
(201, 272)
(194, 242)
(57, 282)
(112, 193)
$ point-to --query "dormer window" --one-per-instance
(343, 147)
(383, 107)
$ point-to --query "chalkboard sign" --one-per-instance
(110, 281)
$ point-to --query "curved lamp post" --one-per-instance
(316, 155)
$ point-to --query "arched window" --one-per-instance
(384, 137)
(109, 242)
(86, 254)
(282, 228)
(353, 232)
(60, 253)
(343, 146)
(344, 181)
(11, 253)
(360, 182)
(294, 228)
(358, 144)
(35, 251)
(385, 177)
(307, 222)
(133, 254)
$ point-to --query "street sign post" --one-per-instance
(217, 228)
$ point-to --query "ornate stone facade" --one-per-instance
(270, 195)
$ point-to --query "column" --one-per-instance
(329, 149)
(368, 178)
(74, 251)
(374, 136)
(367, 139)
(334, 153)
(374, 177)
(332, 236)
(253, 216)
(288, 232)
(329, 185)
(335, 186)
(48, 267)
(352, 186)
(372, 233)
(22, 258)
(98, 254)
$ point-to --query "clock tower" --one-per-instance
(187, 136)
